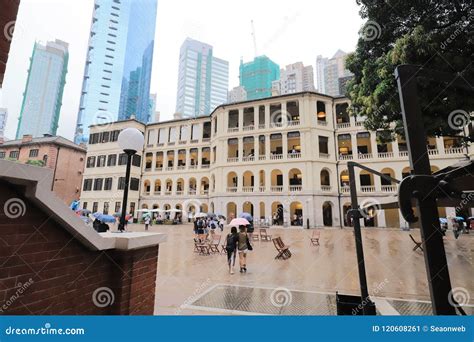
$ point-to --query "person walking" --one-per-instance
(243, 246)
(147, 222)
(232, 241)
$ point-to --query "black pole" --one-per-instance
(129, 153)
(431, 235)
(364, 293)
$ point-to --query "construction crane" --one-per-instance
(254, 39)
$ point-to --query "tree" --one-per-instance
(35, 162)
(436, 34)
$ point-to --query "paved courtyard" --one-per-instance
(189, 283)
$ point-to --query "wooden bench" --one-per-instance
(283, 250)
(314, 238)
(417, 244)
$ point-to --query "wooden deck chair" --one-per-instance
(417, 244)
(314, 239)
(283, 250)
(214, 244)
(264, 236)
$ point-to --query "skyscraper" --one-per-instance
(44, 88)
(329, 71)
(202, 79)
(3, 121)
(257, 77)
(117, 73)
(294, 78)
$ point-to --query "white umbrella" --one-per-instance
(200, 215)
(157, 210)
(143, 210)
(173, 210)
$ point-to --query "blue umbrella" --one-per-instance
(443, 220)
(459, 218)
(106, 218)
(97, 214)
(247, 216)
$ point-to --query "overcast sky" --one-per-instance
(287, 31)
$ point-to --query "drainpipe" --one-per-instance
(55, 166)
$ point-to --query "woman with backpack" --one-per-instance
(231, 247)
(243, 246)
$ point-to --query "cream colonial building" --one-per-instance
(283, 156)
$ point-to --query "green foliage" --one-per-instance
(35, 162)
(437, 35)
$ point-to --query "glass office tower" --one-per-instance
(44, 88)
(202, 79)
(117, 73)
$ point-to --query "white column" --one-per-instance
(256, 147)
(267, 146)
(395, 148)
(267, 115)
(284, 142)
(199, 157)
(354, 145)
(381, 222)
(256, 117)
(241, 148)
(373, 144)
(440, 145)
(241, 118)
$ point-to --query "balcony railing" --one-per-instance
(343, 125)
(192, 192)
(385, 154)
(367, 188)
(247, 189)
(193, 167)
(179, 192)
(147, 168)
(453, 150)
(294, 155)
(364, 155)
(296, 188)
(233, 159)
(159, 168)
(276, 124)
(261, 188)
(181, 167)
(248, 158)
(294, 123)
(232, 129)
(403, 153)
(169, 168)
(322, 123)
(345, 189)
(157, 193)
(249, 128)
(261, 126)
(146, 193)
(276, 188)
(326, 187)
(205, 166)
(432, 152)
(276, 156)
(206, 139)
(205, 192)
(231, 189)
(389, 188)
(262, 157)
(182, 142)
(168, 193)
(345, 157)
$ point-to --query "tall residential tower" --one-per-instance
(257, 77)
(295, 78)
(44, 88)
(117, 73)
(202, 79)
(331, 74)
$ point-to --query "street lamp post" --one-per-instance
(130, 141)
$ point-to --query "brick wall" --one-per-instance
(45, 270)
